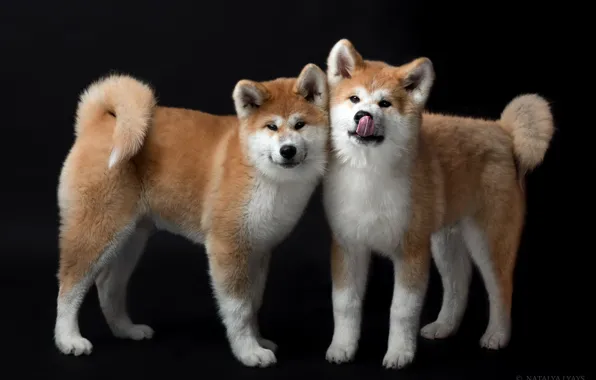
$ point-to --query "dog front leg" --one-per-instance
(411, 267)
(234, 285)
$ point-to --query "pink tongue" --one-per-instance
(366, 126)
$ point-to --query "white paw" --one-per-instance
(74, 345)
(340, 353)
(266, 343)
(135, 332)
(397, 359)
(257, 357)
(493, 339)
(437, 330)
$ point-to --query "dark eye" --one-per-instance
(384, 104)
(299, 125)
(354, 99)
(273, 127)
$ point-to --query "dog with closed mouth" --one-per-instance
(403, 183)
(236, 184)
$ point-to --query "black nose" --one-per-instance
(287, 151)
(360, 114)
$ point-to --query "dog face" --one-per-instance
(285, 124)
(375, 108)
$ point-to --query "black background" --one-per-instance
(193, 54)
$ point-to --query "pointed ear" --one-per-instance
(418, 78)
(342, 61)
(312, 85)
(248, 96)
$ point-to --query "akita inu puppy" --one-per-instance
(237, 184)
(401, 181)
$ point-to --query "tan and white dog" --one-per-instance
(237, 184)
(401, 181)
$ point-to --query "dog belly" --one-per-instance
(193, 235)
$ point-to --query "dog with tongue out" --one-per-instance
(371, 198)
(365, 128)
(400, 180)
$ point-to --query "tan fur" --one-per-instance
(129, 98)
(480, 180)
(465, 166)
(424, 215)
(427, 210)
(135, 164)
(462, 168)
(185, 153)
(168, 176)
(529, 120)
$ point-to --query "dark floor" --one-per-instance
(170, 292)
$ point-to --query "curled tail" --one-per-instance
(530, 122)
(130, 101)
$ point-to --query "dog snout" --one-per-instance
(360, 114)
(287, 151)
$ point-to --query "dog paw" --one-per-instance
(437, 330)
(266, 343)
(397, 359)
(340, 353)
(494, 339)
(74, 345)
(134, 332)
(257, 357)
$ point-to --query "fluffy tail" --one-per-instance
(529, 120)
(130, 101)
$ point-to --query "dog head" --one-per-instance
(375, 108)
(285, 124)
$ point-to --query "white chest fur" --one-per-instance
(274, 210)
(367, 208)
